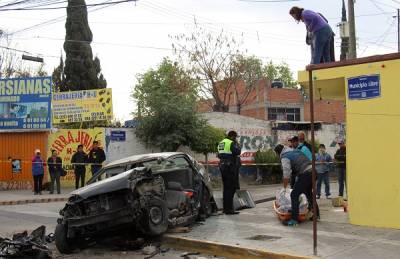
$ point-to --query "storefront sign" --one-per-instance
(25, 103)
(79, 106)
(66, 142)
(364, 87)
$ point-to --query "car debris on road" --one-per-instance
(23, 245)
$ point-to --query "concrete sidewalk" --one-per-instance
(16, 197)
(259, 229)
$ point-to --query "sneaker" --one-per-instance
(318, 197)
(291, 223)
(328, 196)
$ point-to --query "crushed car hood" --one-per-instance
(115, 183)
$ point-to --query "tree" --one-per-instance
(166, 99)
(210, 58)
(58, 76)
(247, 70)
(281, 72)
(206, 140)
(82, 72)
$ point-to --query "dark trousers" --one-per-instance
(95, 169)
(292, 180)
(342, 179)
(55, 178)
(37, 183)
(229, 184)
(80, 175)
(323, 177)
(302, 185)
(321, 44)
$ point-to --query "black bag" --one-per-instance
(63, 172)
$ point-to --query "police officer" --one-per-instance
(228, 151)
(294, 162)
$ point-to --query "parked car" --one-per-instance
(145, 194)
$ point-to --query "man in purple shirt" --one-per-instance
(321, 33)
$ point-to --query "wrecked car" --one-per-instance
(144, 194)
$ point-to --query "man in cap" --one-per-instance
(228, 151)
(294, 162)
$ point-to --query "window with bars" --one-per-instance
(284, 114)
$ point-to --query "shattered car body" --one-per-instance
(23, 245)
(144, 194)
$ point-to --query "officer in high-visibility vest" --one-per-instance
(228, 151)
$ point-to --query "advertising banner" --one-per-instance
(25, 103)
(79, 106)
(66, 142)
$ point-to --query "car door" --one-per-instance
(183, 162)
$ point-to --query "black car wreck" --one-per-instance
(144, 194)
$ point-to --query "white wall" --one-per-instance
(119, 149)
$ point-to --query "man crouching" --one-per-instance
(294, 162)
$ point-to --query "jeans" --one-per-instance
(342, 179)
(95, 169)
(55, 178)
(37, 183)
(323, 177)
(303, 185)
(321, 45)
(79, 175)
(229, 185)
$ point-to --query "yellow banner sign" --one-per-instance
(78, 106)
(66, 142)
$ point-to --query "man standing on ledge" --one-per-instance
(96, 157)
(228, 151)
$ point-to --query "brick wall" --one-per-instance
(328, 111)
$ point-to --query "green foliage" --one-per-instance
(81, 71)
(271, 173)
(166, 99)
(282, 72)
(207, 139)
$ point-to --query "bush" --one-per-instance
(270, 173)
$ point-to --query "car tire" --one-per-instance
(157, 217)
(63, 244)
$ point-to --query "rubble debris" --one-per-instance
(24, 245)
(148, 250)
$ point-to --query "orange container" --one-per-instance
(285, 216)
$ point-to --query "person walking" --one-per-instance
(295, 162)
(323, 168)
(340, 157)
(321, 33)
(54, 164)
(78, 161)
(228, 150)
(96, 157)
(37, 172)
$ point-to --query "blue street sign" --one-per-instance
(118, 135)
(364, 87)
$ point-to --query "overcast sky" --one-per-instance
(130, 38)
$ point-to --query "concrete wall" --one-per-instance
(131, 146)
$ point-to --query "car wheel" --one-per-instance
(157, 217)
(206, 206)
(63, 244)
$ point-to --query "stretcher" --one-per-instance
(285, 216)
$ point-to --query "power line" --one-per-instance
(57, 19)
(268, 1)
(64, 7)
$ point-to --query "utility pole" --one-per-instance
(352, 30)
(398, 30)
